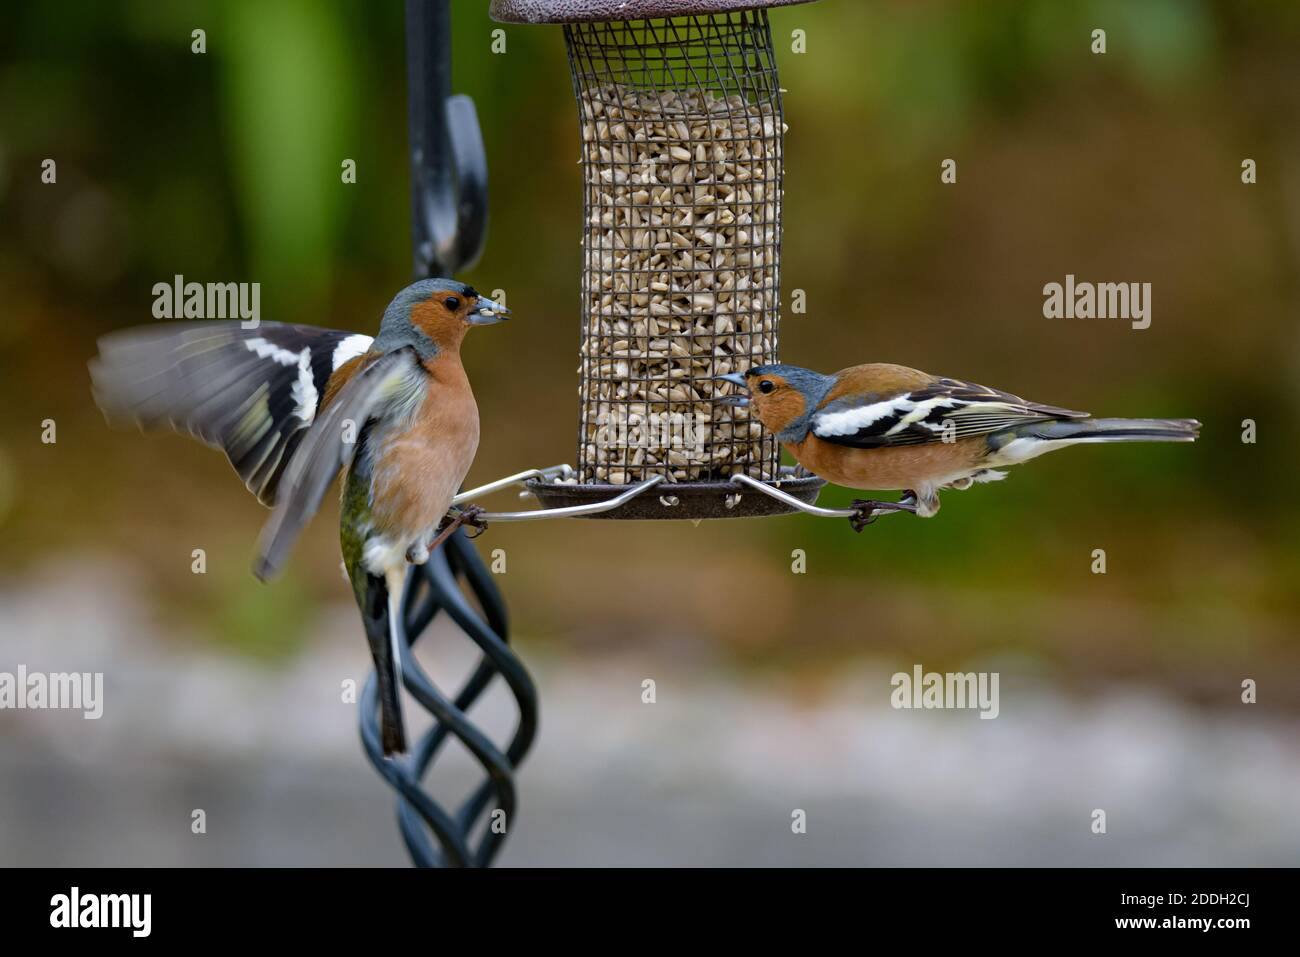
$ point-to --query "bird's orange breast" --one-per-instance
(898, 467)
(418, 470)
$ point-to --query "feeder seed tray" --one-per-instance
(679, 500)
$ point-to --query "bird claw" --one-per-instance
(467, 515)
(867, 511)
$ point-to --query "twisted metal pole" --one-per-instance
(436, 587)
(449, 218)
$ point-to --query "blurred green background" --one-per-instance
(1123, 167)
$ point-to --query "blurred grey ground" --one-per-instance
(708, 775)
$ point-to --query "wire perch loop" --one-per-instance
(789, 490)
(449, 205)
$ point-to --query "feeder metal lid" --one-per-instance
(577, 11)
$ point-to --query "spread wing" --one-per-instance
(327, 447)
(943, 410)
(252, 393)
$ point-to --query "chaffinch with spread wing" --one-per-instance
(881, 426)
(292, 406)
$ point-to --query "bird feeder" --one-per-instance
(681, 136)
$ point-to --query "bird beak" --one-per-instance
(735, 378)
(485, 312)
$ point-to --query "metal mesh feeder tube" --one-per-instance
(681, 135)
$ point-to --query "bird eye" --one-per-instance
(452, 303)
(766, 386)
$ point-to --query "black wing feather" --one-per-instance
(248, 392)
(945, 409)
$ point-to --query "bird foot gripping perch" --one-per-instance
(866, 511)
(470, 515)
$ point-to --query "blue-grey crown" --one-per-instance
(396, 331)
(805, 380)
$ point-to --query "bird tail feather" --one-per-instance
(1028, 441)
(1113, 430)
(382, 616)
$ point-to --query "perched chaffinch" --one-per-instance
(883, 426)
(293, 405)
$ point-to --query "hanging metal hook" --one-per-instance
(448, 162)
